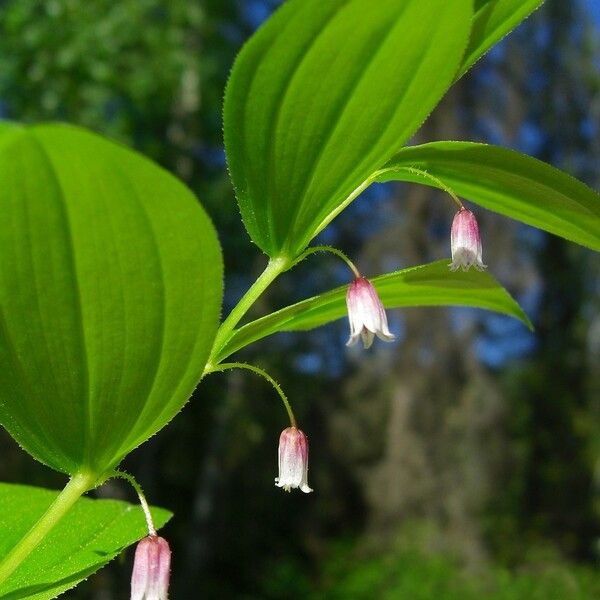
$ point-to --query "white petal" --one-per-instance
(367, 338)
(385, 336)
(353, 339)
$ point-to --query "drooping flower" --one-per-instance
(366, 314)
(151, 569)
(465, 242)
(293, 460)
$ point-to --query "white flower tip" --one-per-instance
(386, 337)
(367, 338)
(285, 487)
(352, 340)
(464, 260)
(288, 488)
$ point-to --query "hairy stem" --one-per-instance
(436, 182)
(141, 496)
(331, 250)
(263, 374)
(274, 268)
(77, 486)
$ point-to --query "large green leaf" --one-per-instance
(323, 95)
(89, 536)
(426, 285)
(506, 182)
(110, 287)
(492, 20)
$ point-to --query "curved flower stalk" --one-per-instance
(152, 563)
(293, 443)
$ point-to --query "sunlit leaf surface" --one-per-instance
(492, 20)
(507, 182)
(322, 95)
(110, 289)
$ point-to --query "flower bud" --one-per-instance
(366, 314)
(465, 242)
(151, 569)
(293, 460)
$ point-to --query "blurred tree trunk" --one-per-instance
(559, 490)
(425, 429)
(423, 419)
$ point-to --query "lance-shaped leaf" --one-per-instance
(492, 20)
(507, 182)
(89, 536)
(322, 96)
(110, 287)
(426, 285)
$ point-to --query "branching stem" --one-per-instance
(138, 490)
(274, 268)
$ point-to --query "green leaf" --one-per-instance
(493, 19)
(88, 537)
(6, 126)
(506, 182)
(427, 285)
(323, 95)
(110, 288)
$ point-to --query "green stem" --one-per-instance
(77, 486)
(142, 498)
(336, 211)
(331, 250)
(437, 182)
(274, 268)
(265, 375)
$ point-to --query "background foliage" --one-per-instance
(462, 457)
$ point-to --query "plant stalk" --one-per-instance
(236, 365)
(77, 486)
(274, 268)
(438, 183)
(331, 250)
(141, 496)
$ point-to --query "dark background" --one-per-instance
(462, 461)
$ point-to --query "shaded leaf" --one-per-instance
(493, 19)
(426, 285)
(110, 288)
(507, 182)
(89, 536)
(322, 95)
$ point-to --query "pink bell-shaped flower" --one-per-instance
(465, 242)
(293, 460)
(151, 569)
(366, 314)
